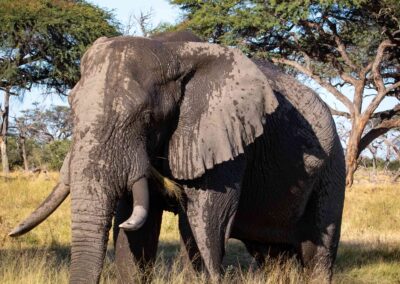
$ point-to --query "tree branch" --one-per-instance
(387, 114)
(395, 148)
(393, 87)
(363, 73)
(340, 46)
(339, 113)
(377, 77)
(348, 78)
(342, 98)
(377, 131)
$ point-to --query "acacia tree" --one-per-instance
(41, 43)
(346, 46)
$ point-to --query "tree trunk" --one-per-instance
(4, 132)
(351, 157)
(353, 147)
(23, 147)
(373, 176)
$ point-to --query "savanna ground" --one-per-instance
(369, 251)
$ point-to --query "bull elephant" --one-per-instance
(256, 154)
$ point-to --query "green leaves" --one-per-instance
(306, 31)
(42, 41)
(283, 28)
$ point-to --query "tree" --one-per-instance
(141, 21)
(346, 46)
(41, 43)
(50, 128)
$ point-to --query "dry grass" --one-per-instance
(369, 251)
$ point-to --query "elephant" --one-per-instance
(255, 153)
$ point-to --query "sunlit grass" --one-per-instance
(369, 250)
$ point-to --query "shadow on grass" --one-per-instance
(354, 255)
(59, 254)
(236, 254)
(351, 255)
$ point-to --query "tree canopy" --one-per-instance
(42, 41)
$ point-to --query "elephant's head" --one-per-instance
(201, 102)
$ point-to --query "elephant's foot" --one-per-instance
(318, 261)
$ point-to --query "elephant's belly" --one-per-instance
(263, 228)
(272, 212)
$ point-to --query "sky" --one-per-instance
(162, 11)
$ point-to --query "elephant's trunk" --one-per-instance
(92, 205)
(91, 222)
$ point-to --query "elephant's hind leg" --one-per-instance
(135, 248)
(320, 228)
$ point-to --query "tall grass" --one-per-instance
(369, 250)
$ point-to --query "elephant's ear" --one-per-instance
(223, 107)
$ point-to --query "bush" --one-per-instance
(380, 163)
(55, 152)
(14, 154)
(50, 155)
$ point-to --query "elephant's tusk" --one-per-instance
(140, 193)
(44, 210)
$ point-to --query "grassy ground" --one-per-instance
(369, 250)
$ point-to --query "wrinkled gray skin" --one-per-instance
(256, 152)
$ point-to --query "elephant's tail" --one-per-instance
(56, 197)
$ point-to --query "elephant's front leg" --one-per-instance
(212, 202)
(136, 247)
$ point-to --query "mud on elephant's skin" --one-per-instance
(255, 152)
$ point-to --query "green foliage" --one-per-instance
(13, 152)
(42, 41)
(55, 152)
(163, 27)
(381, 164)
(294, 29)
(48, 156)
